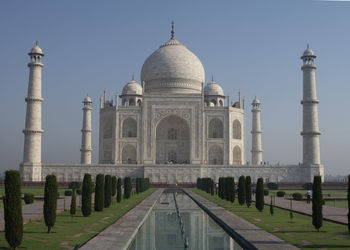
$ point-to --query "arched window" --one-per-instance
(129, 128)
(172, 156)
(216, 155)
(129, 154)
(213, 103)
(221, 103)
(215, 129)
(237, 130)
(172, 134)
(131, 102)
(237, 155)
(139, 102)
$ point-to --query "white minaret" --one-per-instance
(311, 133)
(86, 132)
(256, 133)
(32, 131)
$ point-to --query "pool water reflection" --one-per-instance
(162, 228)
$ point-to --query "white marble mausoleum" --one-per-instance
(172, 127)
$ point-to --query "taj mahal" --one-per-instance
(172, 127)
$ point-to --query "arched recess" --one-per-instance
(221, 104)
(129, 154)
(236, 130)
(173, 141)
(129, 128)
(213, 103)
(216, 128)
(237, 155)
(216, 155)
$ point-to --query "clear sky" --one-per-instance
(251, 46)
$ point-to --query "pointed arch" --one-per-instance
(237, 155)
(216, 155)
(236, 130)
(129, 154)
(129, 128)
(216, 128)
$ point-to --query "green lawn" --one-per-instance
(298, 232)
(326, 192)
(69, 231)
(341, 204)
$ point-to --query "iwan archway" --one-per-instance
(173, 141)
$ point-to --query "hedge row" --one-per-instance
(206, 184)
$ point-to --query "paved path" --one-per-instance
(120, 234)
(259, 238)
(333, 214)
(34, 211)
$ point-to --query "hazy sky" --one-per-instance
(252, 46)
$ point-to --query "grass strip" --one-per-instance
(298, 231)
(69, 231)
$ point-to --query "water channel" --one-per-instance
(176, 222)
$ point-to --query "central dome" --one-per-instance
(173, 69)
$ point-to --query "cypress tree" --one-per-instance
(241, 190)
(86, 195)
(349, 203)
(248, 191)
(317, 217)
(212, 187)
(50, 201)
(221, 187)
(114, 185)
(259, 195)
(127, 187)
(227, 188)
(99, 193)
(138, 185)
(119, 190)
(271, 207)
(232, 189)
(108, 190)
(73, 203)
(13, 209)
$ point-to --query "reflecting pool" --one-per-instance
(184, 227)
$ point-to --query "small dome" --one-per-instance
(132, 88)
(36, 50)
(256, 101)
(308, 52)
(87, 100)
(213, 88)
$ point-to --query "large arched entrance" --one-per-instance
(173, 141)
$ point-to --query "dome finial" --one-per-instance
(172, 30)
(212, 78)
(36, 43)
(132, 78)
(307, 46)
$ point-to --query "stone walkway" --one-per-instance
(120, 234)
(333, 214)
(259, 238)
(34, 211)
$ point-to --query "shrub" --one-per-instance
(50, 201)
(114, 185)
(86, 195)
(248, 191)
(127, 187)
(266, 192)
(73, 203)
(349, 203)
(13, 209)
(259, 196)
(317, 202)
(241, 190)
(108, 190)
(78, 191)
(297, 196)
(67, 192)
(119, 190)
(280, 193)
(272, 186)
(99, 193)
(28, 198)
(221, 187)
(74, 185)
(307, 186)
